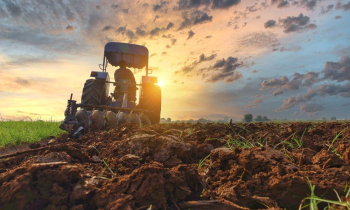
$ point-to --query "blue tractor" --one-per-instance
(99, 107)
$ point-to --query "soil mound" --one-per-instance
(180, 166)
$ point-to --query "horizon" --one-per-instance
(222, 58)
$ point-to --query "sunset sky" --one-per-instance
(217, 58)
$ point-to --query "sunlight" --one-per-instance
(161, 83)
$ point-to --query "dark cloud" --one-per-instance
(190, 34)
(280, 3)
(189, 4)
(311, 108)
(169, 26)
(106, 28)
(140, 32)
(203, 58)
(130, 34)
(164, 53)
(98, 7)
(338, 17)
(269, 23)
(114, 6)
(327, 9)
(343, 6)
(277, 92)
(274, 83)
(173, 41)
(121, 29)
(298, 80)
(254, 71)
(155, 18)
(309, 4)
(156, 31)
(223, 70)
(70, 28)
(12, 8)
(126, 10)
(208, 37)
(160, 6)
(339, 71)
(224, 4)
(22, 81)
(195, 18)
(296, 24)
(168, 46)
(153, 54)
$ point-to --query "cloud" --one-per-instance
(203, 58)
(339, 71)
(169, 26)
(311, 108)
(22, 82)
(173, 41)
(190, 34)
(224, 4)
(70, 28)
(160, 6)
(309, 4)
(106, 28)
(343, 6)
(195, 18)
(114, 6)
(280, 3)
(337, 17)
(12, 8)
(296, 24)
(327, 9)
(274, 83)
(189, 4)
(277, 92)
(257, 40)
(223, 70)
(269, 23)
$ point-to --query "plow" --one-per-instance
(99, 108)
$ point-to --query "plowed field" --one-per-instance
(180, 166)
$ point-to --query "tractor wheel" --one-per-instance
(94, 93)
(151, 101)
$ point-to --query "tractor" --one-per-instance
(99, 107)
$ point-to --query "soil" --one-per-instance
(179, 166)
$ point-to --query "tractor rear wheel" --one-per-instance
(94, 93)
(152, 101)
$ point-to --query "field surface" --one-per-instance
(182, 166)
(17, 132)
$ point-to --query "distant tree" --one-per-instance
(168, 120)
(333, 118)
(248, 118)
(258, 118)
(264, 118)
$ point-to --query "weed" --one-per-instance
(105, 163)
(299, 142)
(331, 145)
(315, 200)
(201, 162)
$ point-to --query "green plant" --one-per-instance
(105, 163)
(201, 162)
(299, 142)
(315, 200)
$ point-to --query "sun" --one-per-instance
(161, 83)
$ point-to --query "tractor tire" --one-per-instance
(94, 93)
(152, 101)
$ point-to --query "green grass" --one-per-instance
(17, 132)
